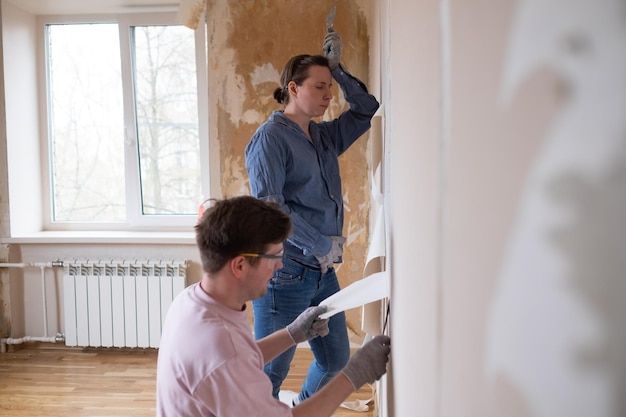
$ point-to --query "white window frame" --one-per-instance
(136, 221)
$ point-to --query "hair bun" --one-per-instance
(279, 95)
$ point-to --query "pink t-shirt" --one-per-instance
(209, 364)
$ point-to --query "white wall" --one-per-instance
(22, 117)
(412, 100)
(507, 176)
(4, 177)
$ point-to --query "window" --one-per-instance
(125, 139)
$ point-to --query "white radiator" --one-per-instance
(118, 302)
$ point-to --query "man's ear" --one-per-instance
(238, 265)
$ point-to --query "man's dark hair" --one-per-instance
(237, 225)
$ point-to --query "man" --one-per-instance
(209, 363)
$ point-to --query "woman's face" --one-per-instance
(313, 96)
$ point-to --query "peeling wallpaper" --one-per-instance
(249, 42)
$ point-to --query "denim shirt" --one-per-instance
(302, 176)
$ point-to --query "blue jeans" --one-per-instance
(292, 290)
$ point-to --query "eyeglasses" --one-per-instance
(280, 255)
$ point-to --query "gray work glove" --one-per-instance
(336, 250)
(332, 48)
(308, 325)
(368, 363)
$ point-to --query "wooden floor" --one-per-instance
(50, 380)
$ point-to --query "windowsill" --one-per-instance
(103, 237)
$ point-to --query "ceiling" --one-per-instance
(47, 7)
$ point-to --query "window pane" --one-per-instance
(167, 119)
(86, 123)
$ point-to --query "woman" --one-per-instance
(293, 160)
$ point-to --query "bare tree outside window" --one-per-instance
(91, 178)
(167, 119)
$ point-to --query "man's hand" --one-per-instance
(368, 363)
(308, 325)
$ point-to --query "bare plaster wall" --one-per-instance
(249, 43)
